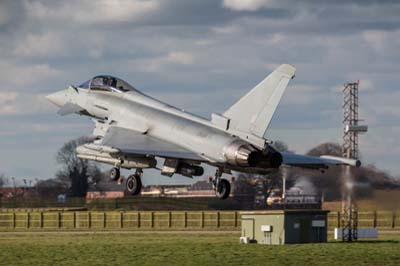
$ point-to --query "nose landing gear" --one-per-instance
(114, 174)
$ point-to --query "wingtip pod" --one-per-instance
(287, 69)
(347, 161)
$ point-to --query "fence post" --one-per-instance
(41, 220)
(338, 220)
(185, 219)
(89, 220)
(394, 219)
(218, 218)
(28, 218)
(202, 219)
(121, 219)
(236, 219)
(375, 219)
(169, 219)
(74, 219)
(138, 219)
(14, 220)
(59, 219)
(152, 219)
(104, 220)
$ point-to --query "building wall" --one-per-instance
(299, 228)
(288, 227)
(251, 227)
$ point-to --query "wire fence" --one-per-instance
(160, 220)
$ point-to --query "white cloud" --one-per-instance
(93, 12)
(226, 29)
(12, 74)
(154, 64)
(246, 5)
(14, 104)
(5, 16)
(376, 39)
(366, 85)
(52, 131)
(380, 105)
(7, 97)
(180, 58)
(380, 142)
(7, 105)
(275, 39)
(301, 94)
(48, 44)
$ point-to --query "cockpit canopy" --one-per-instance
(107, 83)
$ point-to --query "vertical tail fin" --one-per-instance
(253, 112)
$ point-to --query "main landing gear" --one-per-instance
(221, 186)
(134, 183)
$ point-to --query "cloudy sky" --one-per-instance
(201, 56)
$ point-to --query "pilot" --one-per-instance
(113, 82)
(110, 82)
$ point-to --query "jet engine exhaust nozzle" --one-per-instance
(273, 159)
(240, 153)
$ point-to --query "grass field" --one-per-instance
(190, 248)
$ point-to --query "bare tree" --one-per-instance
(2, 180)
(367, 178)
(49, 188)
(328, 148)
(75, 172)
(281, 146)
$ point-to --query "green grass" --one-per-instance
(192, 248)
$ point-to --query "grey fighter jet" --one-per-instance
(134, 131)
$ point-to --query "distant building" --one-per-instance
(16, 192)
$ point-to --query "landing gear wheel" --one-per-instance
(223, 189)
(134, 184)
(114, 174)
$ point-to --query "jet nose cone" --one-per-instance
(57, 98)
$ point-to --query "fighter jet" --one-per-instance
(135, 131)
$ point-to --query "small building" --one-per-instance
(277, 227)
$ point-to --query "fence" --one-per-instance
(209, 220)
(376, 219)
(161, 220)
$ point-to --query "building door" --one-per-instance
(305, 226)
